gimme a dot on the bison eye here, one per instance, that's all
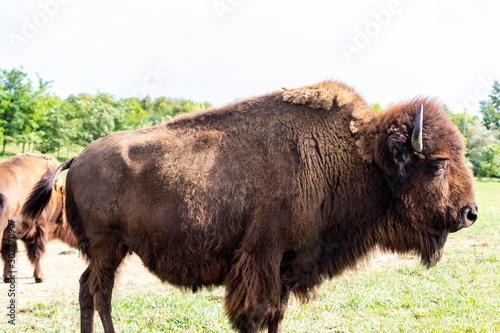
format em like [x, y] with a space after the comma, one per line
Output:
[439, 165]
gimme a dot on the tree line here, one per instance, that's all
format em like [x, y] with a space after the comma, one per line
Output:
[482, 135]
[36, 119]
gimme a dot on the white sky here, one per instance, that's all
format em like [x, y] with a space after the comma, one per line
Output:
[222, 50]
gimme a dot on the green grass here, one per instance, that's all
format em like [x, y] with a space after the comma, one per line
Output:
[487, 194]
[460, 294]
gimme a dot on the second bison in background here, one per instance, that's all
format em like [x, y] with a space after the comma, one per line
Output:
[266, 196]
[18, 175]
[52, 224]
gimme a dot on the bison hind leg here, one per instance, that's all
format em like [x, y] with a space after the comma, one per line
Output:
[35, 248]
[86, 304]
[96, 285]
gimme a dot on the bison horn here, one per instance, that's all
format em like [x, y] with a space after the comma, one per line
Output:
[416, 137]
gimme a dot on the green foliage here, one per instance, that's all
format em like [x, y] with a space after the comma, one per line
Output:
[482, 136]
[21, 107]
[376, 107]
[53, 130]
[478, 139]
[463, 120]
[32, 116]
[489, 165]
[134, 114]
[94, 117]
[491, 109]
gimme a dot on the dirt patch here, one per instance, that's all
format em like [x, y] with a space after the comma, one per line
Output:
[62, 267]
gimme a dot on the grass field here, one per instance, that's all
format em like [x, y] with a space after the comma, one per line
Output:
[388, 294]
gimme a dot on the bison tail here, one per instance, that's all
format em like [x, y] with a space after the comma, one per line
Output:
[40, 195]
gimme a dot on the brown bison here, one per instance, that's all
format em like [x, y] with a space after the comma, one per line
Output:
[266, 196]
[52, 224]
[18, 175]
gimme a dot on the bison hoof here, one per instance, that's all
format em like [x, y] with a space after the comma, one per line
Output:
[6, 280]
[39, 279]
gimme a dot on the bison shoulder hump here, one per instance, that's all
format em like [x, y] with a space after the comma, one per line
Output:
[207, 140]
[322, 95]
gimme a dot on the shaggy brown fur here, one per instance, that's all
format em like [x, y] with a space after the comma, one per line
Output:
[52, 224]
[19, 174]
[266, 196]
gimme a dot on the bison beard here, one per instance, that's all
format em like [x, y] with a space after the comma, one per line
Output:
[432, 248]
[429, 245]
[267, 196]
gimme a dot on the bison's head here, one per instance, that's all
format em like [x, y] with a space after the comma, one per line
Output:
[430, 188]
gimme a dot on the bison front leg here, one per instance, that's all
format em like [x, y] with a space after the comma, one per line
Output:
[9, 250]
[251, 285]
[277, 313]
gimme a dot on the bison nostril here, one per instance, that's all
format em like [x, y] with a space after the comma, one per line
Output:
[470, 213]
[472, 216]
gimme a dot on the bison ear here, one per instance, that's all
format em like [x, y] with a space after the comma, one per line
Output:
[399, 139]
[399, 153]
[392, 153]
